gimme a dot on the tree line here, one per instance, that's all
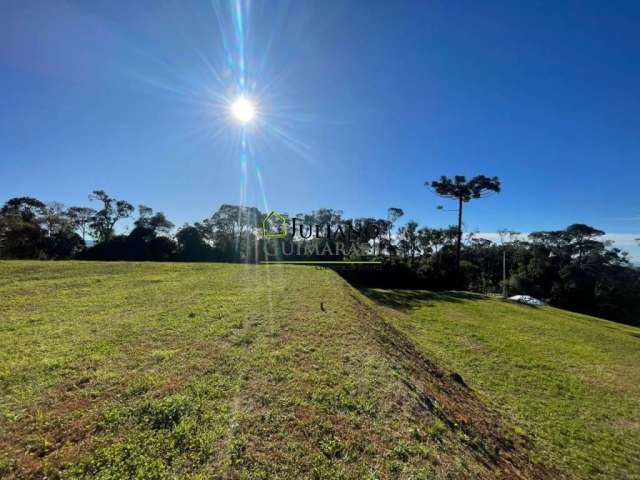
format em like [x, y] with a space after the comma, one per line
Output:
[572, 268]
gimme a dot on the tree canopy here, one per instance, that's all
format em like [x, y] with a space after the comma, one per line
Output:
[459, 188]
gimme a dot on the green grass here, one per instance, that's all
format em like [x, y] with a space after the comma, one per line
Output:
[159, 371]
[153, 371]
[571, 380]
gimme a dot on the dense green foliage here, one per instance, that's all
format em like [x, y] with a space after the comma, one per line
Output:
[31, 229]
[572, 380]
[570, 268]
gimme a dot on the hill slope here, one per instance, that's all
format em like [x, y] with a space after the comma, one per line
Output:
[116, 370]
[571, 380]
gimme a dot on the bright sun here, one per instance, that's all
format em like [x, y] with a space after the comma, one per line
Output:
[243, 110]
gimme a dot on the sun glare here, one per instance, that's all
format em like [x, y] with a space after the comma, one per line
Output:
[243, 110]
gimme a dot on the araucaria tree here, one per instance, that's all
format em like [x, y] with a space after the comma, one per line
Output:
[463, 191]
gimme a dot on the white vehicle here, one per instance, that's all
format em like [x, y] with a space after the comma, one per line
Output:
[527, 300]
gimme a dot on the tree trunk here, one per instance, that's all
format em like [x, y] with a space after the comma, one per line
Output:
[459, 244]
[504, 272]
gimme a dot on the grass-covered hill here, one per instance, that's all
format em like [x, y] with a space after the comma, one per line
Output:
[125, 370]
[571, 381]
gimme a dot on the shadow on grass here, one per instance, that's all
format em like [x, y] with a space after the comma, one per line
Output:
[406, 299]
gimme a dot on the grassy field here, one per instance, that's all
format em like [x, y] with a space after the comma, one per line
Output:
[152, 371]
[158, 371]
[570, 380]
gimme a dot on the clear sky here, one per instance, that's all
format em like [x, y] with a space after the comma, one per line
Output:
[359, 104]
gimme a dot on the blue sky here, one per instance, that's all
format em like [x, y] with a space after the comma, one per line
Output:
[359, 104]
